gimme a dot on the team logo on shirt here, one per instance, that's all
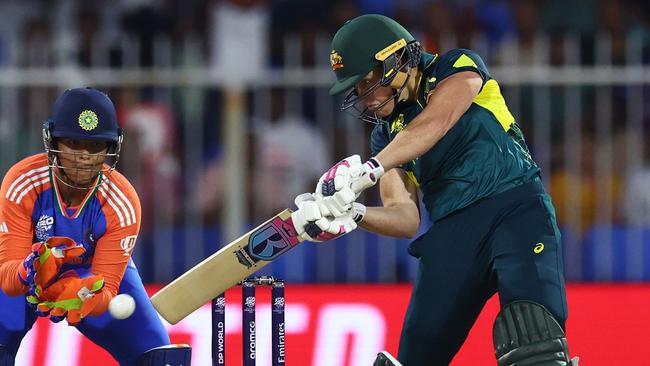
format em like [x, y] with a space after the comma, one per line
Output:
[43, 227]
[429, 85]
[127, 244]
[88, 120]
[398, 124]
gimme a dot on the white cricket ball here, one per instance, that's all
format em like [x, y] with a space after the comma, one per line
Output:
[122, 306]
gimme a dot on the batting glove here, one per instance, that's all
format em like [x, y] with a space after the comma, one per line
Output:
[311, 225]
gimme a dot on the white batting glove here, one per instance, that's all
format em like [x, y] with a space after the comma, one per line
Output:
[308, 212]
[310, 225]
[342, 184]
[339, 176]
[328, 228]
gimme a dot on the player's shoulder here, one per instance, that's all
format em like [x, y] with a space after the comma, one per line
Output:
[121, 197]
[31, 174]
[458, 60]
[459, 53]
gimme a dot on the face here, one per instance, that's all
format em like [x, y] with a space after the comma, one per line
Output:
[377, 95]
[81, 160]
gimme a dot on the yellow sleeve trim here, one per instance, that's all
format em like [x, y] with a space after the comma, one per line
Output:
[464, 61]
[412, 178]
[491, 99]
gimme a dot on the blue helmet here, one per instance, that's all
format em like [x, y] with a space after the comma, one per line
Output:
[85, 114]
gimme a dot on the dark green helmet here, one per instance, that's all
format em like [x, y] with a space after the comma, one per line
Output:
[363, 43]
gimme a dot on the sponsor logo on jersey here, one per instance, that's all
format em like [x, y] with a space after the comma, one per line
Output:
[43, 227]
[127, 244]
[3, 227]
[539, 247]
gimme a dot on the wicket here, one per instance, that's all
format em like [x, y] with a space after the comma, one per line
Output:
[248, 322]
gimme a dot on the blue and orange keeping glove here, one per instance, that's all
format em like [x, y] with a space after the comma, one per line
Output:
[43, 264]
[73, 296]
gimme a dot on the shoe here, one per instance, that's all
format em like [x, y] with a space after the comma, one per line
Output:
[384, 358]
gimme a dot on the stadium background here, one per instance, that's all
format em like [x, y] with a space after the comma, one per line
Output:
[227, 118]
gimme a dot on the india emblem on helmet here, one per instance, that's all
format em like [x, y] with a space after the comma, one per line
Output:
[88, 120]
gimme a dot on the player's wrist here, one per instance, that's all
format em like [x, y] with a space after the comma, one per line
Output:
[358, 211]
[373, 166]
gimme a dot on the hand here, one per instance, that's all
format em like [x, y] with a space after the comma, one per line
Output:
[311, 225]
[342, 184]
[43, 264]
[338, 176]
[73, 296]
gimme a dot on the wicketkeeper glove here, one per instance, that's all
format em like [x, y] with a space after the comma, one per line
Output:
[42, 265]
[73, 296]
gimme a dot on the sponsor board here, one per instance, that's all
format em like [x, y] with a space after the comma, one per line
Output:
[346, 325]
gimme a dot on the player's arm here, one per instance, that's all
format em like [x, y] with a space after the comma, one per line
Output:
[112, 254]
[400, 215]
[446, 104]
[16, 236]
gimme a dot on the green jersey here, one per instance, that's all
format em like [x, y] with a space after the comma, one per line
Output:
[482, 155]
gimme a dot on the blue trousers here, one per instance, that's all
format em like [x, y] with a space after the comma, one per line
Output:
[508, 243]
[124, 339]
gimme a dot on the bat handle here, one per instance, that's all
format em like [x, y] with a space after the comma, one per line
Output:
[365, 181]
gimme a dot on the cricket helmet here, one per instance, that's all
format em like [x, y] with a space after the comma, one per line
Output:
[365, 42]
[83, 114]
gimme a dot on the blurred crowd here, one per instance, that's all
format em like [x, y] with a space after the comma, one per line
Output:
[598, 167]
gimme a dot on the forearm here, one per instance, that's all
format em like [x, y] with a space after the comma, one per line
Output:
[445, 105]
[400, 220]
[9, 281]
[412, 142]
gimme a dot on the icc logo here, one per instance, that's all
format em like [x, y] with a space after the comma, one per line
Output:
[279, 302]
[43, 227]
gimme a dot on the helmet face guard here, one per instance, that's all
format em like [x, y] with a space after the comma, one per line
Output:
[397, 63]
[108, 159]
[82, 114]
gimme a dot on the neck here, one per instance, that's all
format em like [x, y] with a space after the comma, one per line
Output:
[70, 194]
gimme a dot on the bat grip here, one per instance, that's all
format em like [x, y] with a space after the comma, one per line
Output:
[365, 181]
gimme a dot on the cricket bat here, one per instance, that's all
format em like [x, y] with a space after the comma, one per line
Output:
[225, 268]
[232, 263]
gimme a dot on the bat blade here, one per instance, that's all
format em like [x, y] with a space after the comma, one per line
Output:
[225, 268]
